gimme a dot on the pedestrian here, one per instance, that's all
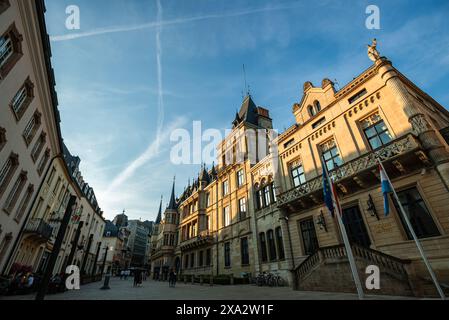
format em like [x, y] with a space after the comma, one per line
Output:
[136, 278]
[172, 278]
[122, 274]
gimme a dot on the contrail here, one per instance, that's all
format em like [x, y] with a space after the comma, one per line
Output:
[160, 102]
[160, 23]
[151, 151]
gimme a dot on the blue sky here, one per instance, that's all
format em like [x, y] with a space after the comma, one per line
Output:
[115, 91]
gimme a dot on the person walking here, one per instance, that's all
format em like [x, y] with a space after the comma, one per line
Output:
[172, 278]
[136, 278]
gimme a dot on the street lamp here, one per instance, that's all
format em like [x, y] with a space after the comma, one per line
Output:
[108, 276]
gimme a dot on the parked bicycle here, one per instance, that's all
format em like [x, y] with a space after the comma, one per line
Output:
[269, 279]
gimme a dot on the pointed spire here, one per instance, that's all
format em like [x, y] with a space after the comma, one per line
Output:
[159, 215]
[172, 203]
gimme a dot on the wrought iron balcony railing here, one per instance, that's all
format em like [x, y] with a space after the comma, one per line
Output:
[394, 149]
[39, 228]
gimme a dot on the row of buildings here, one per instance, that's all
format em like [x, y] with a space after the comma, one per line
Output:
[267, 214]
[38, 174]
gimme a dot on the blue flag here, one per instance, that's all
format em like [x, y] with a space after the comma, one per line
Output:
[327, 192]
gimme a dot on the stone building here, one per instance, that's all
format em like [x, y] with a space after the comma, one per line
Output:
[29, 118]
[380, 114]
[36, 177]
[268, 215]
[138, 241]
[164, 239]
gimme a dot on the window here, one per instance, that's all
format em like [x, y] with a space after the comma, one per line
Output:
[259, 197]
[318, 123]
[15, 192]
[201, 259]
[186, 261]
[240, 178]
[207, 200]
[22, 99]
[375, 131]
[31, 128]
[263, 247]
[24, 203]
[227, 254]
[192, 260]
[267, 195]
[317, 106]
[311, 111]
[297, 172]
[2, 138]
[271, 245]
[331, 155]
[51, 176]
[208, 223]
[309, 238]
[280, 243]
[357, 96]
[208, 257]
[7, 171]
[226, 216]
[10, 50]
[6, 242]
[43, 162]
[289, 143]
[418, 214]
[38, 146]
[273, 192]
[244, 251]
[242, 208]
[225, 187]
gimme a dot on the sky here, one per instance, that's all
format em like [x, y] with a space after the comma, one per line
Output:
[138, 69]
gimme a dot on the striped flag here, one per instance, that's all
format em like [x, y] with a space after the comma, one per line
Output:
[386, 189]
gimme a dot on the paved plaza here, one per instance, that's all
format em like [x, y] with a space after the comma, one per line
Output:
[154, 290]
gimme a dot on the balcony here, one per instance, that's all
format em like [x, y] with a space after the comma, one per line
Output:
[399, 157]
[204, 238]
[39, 230]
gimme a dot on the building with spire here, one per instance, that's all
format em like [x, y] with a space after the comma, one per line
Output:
[267, 212]
[164, 238]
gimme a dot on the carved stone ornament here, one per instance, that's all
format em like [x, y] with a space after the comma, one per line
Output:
[373, 54]
[419, 124]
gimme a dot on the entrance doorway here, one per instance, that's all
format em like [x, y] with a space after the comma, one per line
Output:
[355, 227]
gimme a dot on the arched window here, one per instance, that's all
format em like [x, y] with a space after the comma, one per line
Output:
[317, 106]
[311, 111]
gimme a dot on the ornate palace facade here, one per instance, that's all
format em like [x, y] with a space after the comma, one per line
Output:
[269, 215]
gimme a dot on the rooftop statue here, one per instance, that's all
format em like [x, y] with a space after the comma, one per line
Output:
[373, 54]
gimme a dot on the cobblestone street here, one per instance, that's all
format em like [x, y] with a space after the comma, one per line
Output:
[151, 290]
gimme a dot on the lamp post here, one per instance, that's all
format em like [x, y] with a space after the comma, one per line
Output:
[108, 276]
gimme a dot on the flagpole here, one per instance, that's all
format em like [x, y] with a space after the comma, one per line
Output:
[415, 238]
[352, 264]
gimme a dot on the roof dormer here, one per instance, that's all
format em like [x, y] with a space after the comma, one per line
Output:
[314, 100]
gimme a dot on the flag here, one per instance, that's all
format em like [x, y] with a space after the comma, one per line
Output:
[327, 192]
[386, 189]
